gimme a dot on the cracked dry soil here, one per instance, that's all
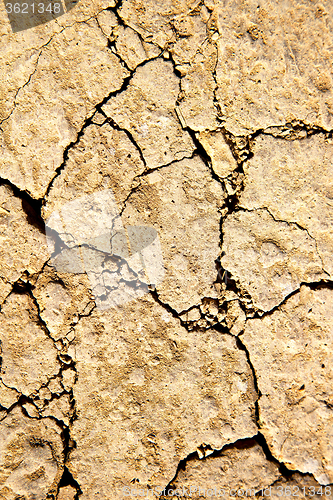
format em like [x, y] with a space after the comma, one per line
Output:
[166, 251]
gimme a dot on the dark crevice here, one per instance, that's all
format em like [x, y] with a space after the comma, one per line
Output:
[165, 165]
[30, 206]
[243, 348]
[147, 171]
[284, 471]
[224, 276]
[241, 149]
[94, 118]
[175, 314]
[24, 283]
[240, 444]
[21, 401]
[231, 285]
[202, 153]
[59, 244]
[240, 146]
[42, 323]
[290, 131]
[290, 223]
[295, 130]
[231, 203]
[87, 123]
[58, 170]
[287, 473]
[90, 121]
[315, 285]
[68, 480]
[117, 7]
[68, 442]
[122, 23]
[111, 44]
[113, 48]
[130, 136]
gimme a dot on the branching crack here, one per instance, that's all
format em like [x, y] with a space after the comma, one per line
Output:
[89, 121]
[32, 73]
[240, 444]
[290, 223]
[68, 442]
[315, 285]
[241, 148]
[243, 348]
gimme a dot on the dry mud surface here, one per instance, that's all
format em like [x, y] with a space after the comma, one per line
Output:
[166, 251]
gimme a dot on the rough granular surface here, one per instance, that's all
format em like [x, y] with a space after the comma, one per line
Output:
[166, 292]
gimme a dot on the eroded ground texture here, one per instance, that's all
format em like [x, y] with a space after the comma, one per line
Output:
[166, 251]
